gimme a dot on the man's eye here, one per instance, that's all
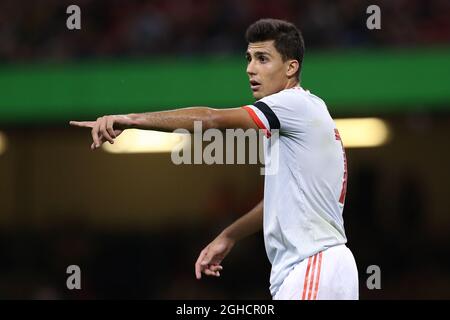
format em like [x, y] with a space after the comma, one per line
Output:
[262, 59]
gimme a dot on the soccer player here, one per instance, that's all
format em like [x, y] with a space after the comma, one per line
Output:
[301, 213]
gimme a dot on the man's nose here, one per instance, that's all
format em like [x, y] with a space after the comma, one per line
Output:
[251, 68]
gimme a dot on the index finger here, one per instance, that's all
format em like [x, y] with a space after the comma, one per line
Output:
[84, 124]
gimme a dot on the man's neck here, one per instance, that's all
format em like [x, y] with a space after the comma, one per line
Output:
[292, 83]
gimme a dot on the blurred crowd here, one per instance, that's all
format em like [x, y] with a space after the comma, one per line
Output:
[36, 30]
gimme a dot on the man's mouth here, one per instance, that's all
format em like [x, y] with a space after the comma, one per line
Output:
[255, 85]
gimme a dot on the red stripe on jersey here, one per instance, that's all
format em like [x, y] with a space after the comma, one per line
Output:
[311, 281]
[258, 121]
[316, 289]
[305, 282]
[344, 181]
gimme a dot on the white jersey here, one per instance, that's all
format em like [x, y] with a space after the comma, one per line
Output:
[304, 198]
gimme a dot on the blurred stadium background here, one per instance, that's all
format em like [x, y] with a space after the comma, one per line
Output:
[135, 222]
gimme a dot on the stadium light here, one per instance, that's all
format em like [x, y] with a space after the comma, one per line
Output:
[2, 143]
[144, 141]
[363, 132]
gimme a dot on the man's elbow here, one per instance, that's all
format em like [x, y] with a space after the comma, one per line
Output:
[223, 119]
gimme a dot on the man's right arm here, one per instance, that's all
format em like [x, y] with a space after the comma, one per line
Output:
[210, 258]
[107, 128]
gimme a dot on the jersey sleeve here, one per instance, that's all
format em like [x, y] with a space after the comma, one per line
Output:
[263, 116]
[277, 112]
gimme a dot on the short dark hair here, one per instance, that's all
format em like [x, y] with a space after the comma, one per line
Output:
[288, 39]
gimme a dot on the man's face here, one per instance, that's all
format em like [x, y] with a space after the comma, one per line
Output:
[266, 69]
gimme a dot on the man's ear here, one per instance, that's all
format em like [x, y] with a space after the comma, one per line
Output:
[292, 67]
